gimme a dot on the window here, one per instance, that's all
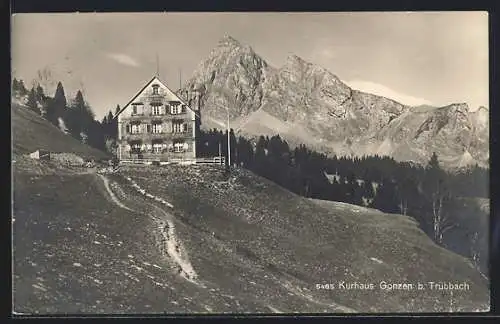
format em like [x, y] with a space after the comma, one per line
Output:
[135, 129]
[157, 147]
[137, 109]
[178, 127]
[157, 128]
[155, 89]
[178, 147]
[175, 109]
[156, 110]
[135, 148]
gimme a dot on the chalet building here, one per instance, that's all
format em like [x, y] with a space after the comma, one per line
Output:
[158, 125]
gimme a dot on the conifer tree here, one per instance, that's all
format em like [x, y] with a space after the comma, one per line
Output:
[15, 87]
[40, 94]
[32, 102]
[386, 199]
[110, 116]
[57, 107]
[22, 89]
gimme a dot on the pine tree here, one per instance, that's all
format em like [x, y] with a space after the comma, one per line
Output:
[234, 152]
[40, 94]
[433, 162]
[56, 108]
[22, 89]
[367, 191]
[15, 87]
[386, 197]
[77, 118]
[245, 152]
[110, 116]
[260, 160]
[114, 123]
[32, 103]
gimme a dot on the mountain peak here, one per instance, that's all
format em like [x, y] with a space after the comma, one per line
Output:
[228, 40]
[302, 95]
[462, 106]
[294, 59]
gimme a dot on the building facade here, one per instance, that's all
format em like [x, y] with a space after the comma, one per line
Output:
[158, 125]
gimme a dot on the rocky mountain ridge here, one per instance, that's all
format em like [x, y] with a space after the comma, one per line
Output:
[305, 103]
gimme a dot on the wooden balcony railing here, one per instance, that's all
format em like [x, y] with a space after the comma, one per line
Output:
[147, 137]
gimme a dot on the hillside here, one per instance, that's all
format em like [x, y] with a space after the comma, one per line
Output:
[328, 115]
[236, 243]
[31, 132]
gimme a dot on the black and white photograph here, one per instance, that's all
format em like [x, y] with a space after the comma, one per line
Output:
[197, 163]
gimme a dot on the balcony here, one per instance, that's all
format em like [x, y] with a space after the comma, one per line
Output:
[133, 137]
[158, 135]
[155, 99]
[146, 137]
[183, 135]
[136, 117]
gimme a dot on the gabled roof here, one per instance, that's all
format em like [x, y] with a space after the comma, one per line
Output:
[147, 85]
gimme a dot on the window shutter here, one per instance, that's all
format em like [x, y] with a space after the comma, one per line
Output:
[128, 129]
[183, 109]
[185, 127]
[148, 128]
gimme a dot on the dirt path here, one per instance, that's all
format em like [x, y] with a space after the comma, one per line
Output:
[173, 247]
[111, 194]
[170, 245]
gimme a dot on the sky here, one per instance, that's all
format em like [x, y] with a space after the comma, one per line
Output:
[434, 58]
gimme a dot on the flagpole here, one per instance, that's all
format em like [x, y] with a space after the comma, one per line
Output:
[157, 65]
[228, 137]
[228, 141]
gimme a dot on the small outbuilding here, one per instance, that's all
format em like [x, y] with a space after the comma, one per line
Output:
[40, 155]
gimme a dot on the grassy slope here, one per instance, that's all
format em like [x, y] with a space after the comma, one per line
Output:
[255, 246]
[81, 254]
[297, 242]
[31, 132]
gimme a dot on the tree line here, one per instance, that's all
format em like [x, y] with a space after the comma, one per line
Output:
[428, 193]
[74, 116]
